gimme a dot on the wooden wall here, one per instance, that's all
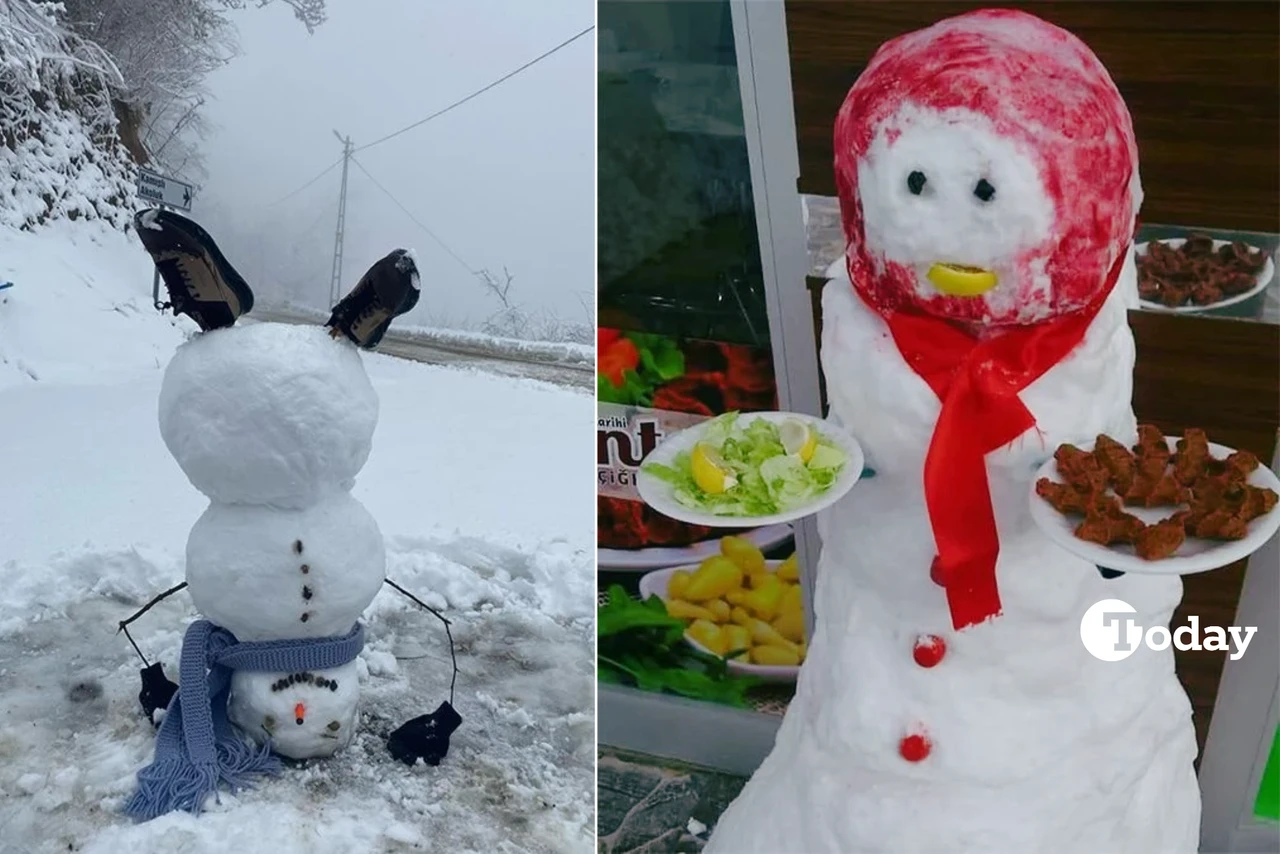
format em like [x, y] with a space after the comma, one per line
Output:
[1202, 80]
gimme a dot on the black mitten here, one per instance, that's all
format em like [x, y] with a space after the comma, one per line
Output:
[1109, 573]
[156, 691]
[425, 737]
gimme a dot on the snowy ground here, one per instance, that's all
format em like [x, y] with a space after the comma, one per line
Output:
[473, 480]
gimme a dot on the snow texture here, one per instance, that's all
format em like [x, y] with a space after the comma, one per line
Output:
[96, 518]
[1035, 744]
[268, 413]
[997, 95]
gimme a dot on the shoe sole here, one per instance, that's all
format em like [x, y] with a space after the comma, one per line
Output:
[210, 278]
[376, 325]
[370, 330]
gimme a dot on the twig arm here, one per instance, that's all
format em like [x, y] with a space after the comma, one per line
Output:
[441, 617]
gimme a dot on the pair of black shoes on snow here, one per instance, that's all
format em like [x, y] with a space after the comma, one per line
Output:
[203, 285]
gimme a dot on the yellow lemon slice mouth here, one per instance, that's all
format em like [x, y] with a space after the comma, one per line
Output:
[957, 280]
[710, 472]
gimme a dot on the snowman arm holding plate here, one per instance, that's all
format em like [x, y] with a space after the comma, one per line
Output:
[425, 737]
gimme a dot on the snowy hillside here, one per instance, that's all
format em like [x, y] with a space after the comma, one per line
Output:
[470, 480]
[80, 306]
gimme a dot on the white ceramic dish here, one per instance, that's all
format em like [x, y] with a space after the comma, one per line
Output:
[1264, 279]
[655, 584]
[657, 557]
[1194, 555]
[658, 494]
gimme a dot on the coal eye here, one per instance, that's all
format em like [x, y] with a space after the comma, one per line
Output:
[983, 190]
[915, 183]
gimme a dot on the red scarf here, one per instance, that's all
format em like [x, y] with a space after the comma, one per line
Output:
[978, 383]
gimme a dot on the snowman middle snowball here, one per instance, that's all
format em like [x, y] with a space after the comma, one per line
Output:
[273, 422]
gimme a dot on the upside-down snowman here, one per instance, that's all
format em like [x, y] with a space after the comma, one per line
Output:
[272, 422]
[988, 181]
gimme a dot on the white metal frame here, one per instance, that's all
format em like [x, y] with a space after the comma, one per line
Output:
[1245, 716]
[768, 106]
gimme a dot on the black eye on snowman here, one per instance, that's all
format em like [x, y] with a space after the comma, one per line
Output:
[983, 190]
[916, 182]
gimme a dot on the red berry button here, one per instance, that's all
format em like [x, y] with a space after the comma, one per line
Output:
[914, 748]
[935, 572]
[929, 650]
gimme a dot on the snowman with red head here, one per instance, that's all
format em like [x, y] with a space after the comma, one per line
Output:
[988, 181]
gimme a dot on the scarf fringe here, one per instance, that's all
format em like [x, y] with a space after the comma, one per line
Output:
[171, 785]
[239, 759]
[176, 785]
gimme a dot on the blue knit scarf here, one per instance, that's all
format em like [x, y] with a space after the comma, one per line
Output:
[197, 746]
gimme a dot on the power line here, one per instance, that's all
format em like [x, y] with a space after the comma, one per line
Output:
[288, 196]
[501, 79]
[416, 222]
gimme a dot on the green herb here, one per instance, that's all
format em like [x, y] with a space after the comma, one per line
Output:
[640, 644]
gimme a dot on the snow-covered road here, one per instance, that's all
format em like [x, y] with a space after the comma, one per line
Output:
[472, 479]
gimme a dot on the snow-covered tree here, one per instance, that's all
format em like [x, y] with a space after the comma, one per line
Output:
[165, 52]
[60, 154]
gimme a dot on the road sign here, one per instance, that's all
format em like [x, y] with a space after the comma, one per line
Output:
[162, 190]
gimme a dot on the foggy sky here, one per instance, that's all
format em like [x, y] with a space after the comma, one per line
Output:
[505, 179]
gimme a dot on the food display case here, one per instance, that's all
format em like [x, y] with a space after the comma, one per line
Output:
[691, 325]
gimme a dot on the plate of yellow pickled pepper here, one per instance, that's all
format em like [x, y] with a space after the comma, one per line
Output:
[740, 605]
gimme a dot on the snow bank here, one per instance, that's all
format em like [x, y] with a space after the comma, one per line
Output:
[80, 306]
[475, 343]
[519, 776]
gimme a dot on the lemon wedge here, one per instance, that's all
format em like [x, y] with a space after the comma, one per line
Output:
[710, 472]
[798, 438]
[957, 280]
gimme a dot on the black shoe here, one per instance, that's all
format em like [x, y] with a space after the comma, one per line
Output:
[202, 284]
[389, 289]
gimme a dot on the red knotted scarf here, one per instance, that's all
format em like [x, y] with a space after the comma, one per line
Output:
[978, 383]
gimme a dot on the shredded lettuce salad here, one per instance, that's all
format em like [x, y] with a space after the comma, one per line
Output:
[769, 479]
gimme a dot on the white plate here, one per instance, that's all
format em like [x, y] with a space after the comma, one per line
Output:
[658, 494]
[655, 584]
[1264, 278]
[657, 557]
[1194, 555]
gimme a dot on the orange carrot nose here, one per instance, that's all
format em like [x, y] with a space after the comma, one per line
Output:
[299, 713]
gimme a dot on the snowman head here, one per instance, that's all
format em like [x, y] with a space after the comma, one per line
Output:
[987, 172]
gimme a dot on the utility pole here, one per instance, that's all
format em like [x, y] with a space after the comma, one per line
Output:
[335, 281]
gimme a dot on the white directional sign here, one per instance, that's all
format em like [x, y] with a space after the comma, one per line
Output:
[161, 190]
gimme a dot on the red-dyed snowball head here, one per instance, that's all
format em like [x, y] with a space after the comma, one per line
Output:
[987, 172]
